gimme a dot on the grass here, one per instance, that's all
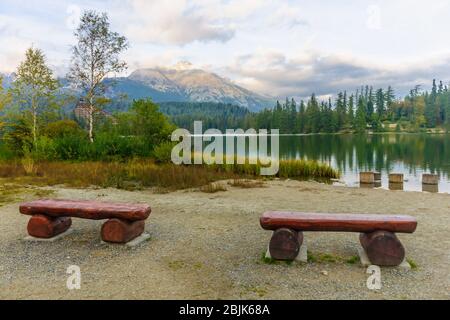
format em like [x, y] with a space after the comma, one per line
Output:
[144, 173]
[253, 290]
[298, 169]
[330, 258]
[130, 175]
[353, 260]
[322, 258]
[176, 265]
[10, 192]
[266, 260]
[269, 261]
[412, 263]
[306, 169]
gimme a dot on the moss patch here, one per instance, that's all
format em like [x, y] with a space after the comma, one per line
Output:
[412, 263]
[314, 257]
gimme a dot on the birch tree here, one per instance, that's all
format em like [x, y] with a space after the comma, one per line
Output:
[95, 56]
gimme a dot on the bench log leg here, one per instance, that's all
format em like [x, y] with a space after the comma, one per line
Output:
[285, 244]
[121, 231]
[44, 227]
[383, 248]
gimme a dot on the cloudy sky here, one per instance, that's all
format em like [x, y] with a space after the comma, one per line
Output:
[273, 47]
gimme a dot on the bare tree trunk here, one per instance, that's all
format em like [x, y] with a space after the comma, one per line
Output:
[91, 120]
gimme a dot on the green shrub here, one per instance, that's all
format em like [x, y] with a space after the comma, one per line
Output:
[163, 152]
[72, 147]
[5, 152]
[45, 149]
[62, 128]
[18, 136]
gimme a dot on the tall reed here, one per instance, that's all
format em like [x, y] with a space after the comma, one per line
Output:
[148, 174]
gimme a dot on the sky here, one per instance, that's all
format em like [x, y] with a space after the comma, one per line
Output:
[275, 47]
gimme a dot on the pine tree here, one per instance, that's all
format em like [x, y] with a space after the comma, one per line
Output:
[292, 116]
[389, 98]
[447, 112]
[370, 104]
[301, 117]
[380, 103]
[341, 110]
[431, 108]
[351, 110]
[441, 87]
[276, 116]
[313, 115]
[441, 104]
[360, 117]
[344, 110]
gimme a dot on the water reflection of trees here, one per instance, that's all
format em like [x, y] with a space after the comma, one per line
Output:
[373, 152]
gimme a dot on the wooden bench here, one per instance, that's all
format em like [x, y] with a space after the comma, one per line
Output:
[377, 237]
[53, 217]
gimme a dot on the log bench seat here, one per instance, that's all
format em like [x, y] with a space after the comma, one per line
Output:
[377, 233]
[50, 218]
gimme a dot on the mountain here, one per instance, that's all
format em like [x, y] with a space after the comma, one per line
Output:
[180, 83]
[184, 84]
[7, 79]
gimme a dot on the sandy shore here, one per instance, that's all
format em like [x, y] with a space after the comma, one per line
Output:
[209, 246]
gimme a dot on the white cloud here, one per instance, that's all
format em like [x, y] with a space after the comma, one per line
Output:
[174, 22]
[234, 9]
[303, 74]
[287, 15]
[279, 47]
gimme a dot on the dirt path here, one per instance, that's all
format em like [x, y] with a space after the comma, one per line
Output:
[209, 246]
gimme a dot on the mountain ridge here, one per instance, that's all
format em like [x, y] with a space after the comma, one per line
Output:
[189, 85]
[180, 83]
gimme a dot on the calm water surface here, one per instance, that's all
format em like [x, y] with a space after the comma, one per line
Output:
[410, 154]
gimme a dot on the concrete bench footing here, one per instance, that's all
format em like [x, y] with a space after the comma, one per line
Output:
[133, 243]
[58, 237]
[365, 262]
[302, 255]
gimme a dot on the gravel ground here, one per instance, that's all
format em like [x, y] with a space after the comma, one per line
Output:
[209, 246]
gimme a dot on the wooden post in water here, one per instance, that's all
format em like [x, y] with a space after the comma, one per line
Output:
[432, 188]
[377, 176]
[396, 178]
[396, 181]
[396, 186]
[367, 178]
[430, 179]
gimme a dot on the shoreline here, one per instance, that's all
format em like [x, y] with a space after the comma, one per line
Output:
[322, 134]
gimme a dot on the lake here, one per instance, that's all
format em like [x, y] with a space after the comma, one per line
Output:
[410, 154]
